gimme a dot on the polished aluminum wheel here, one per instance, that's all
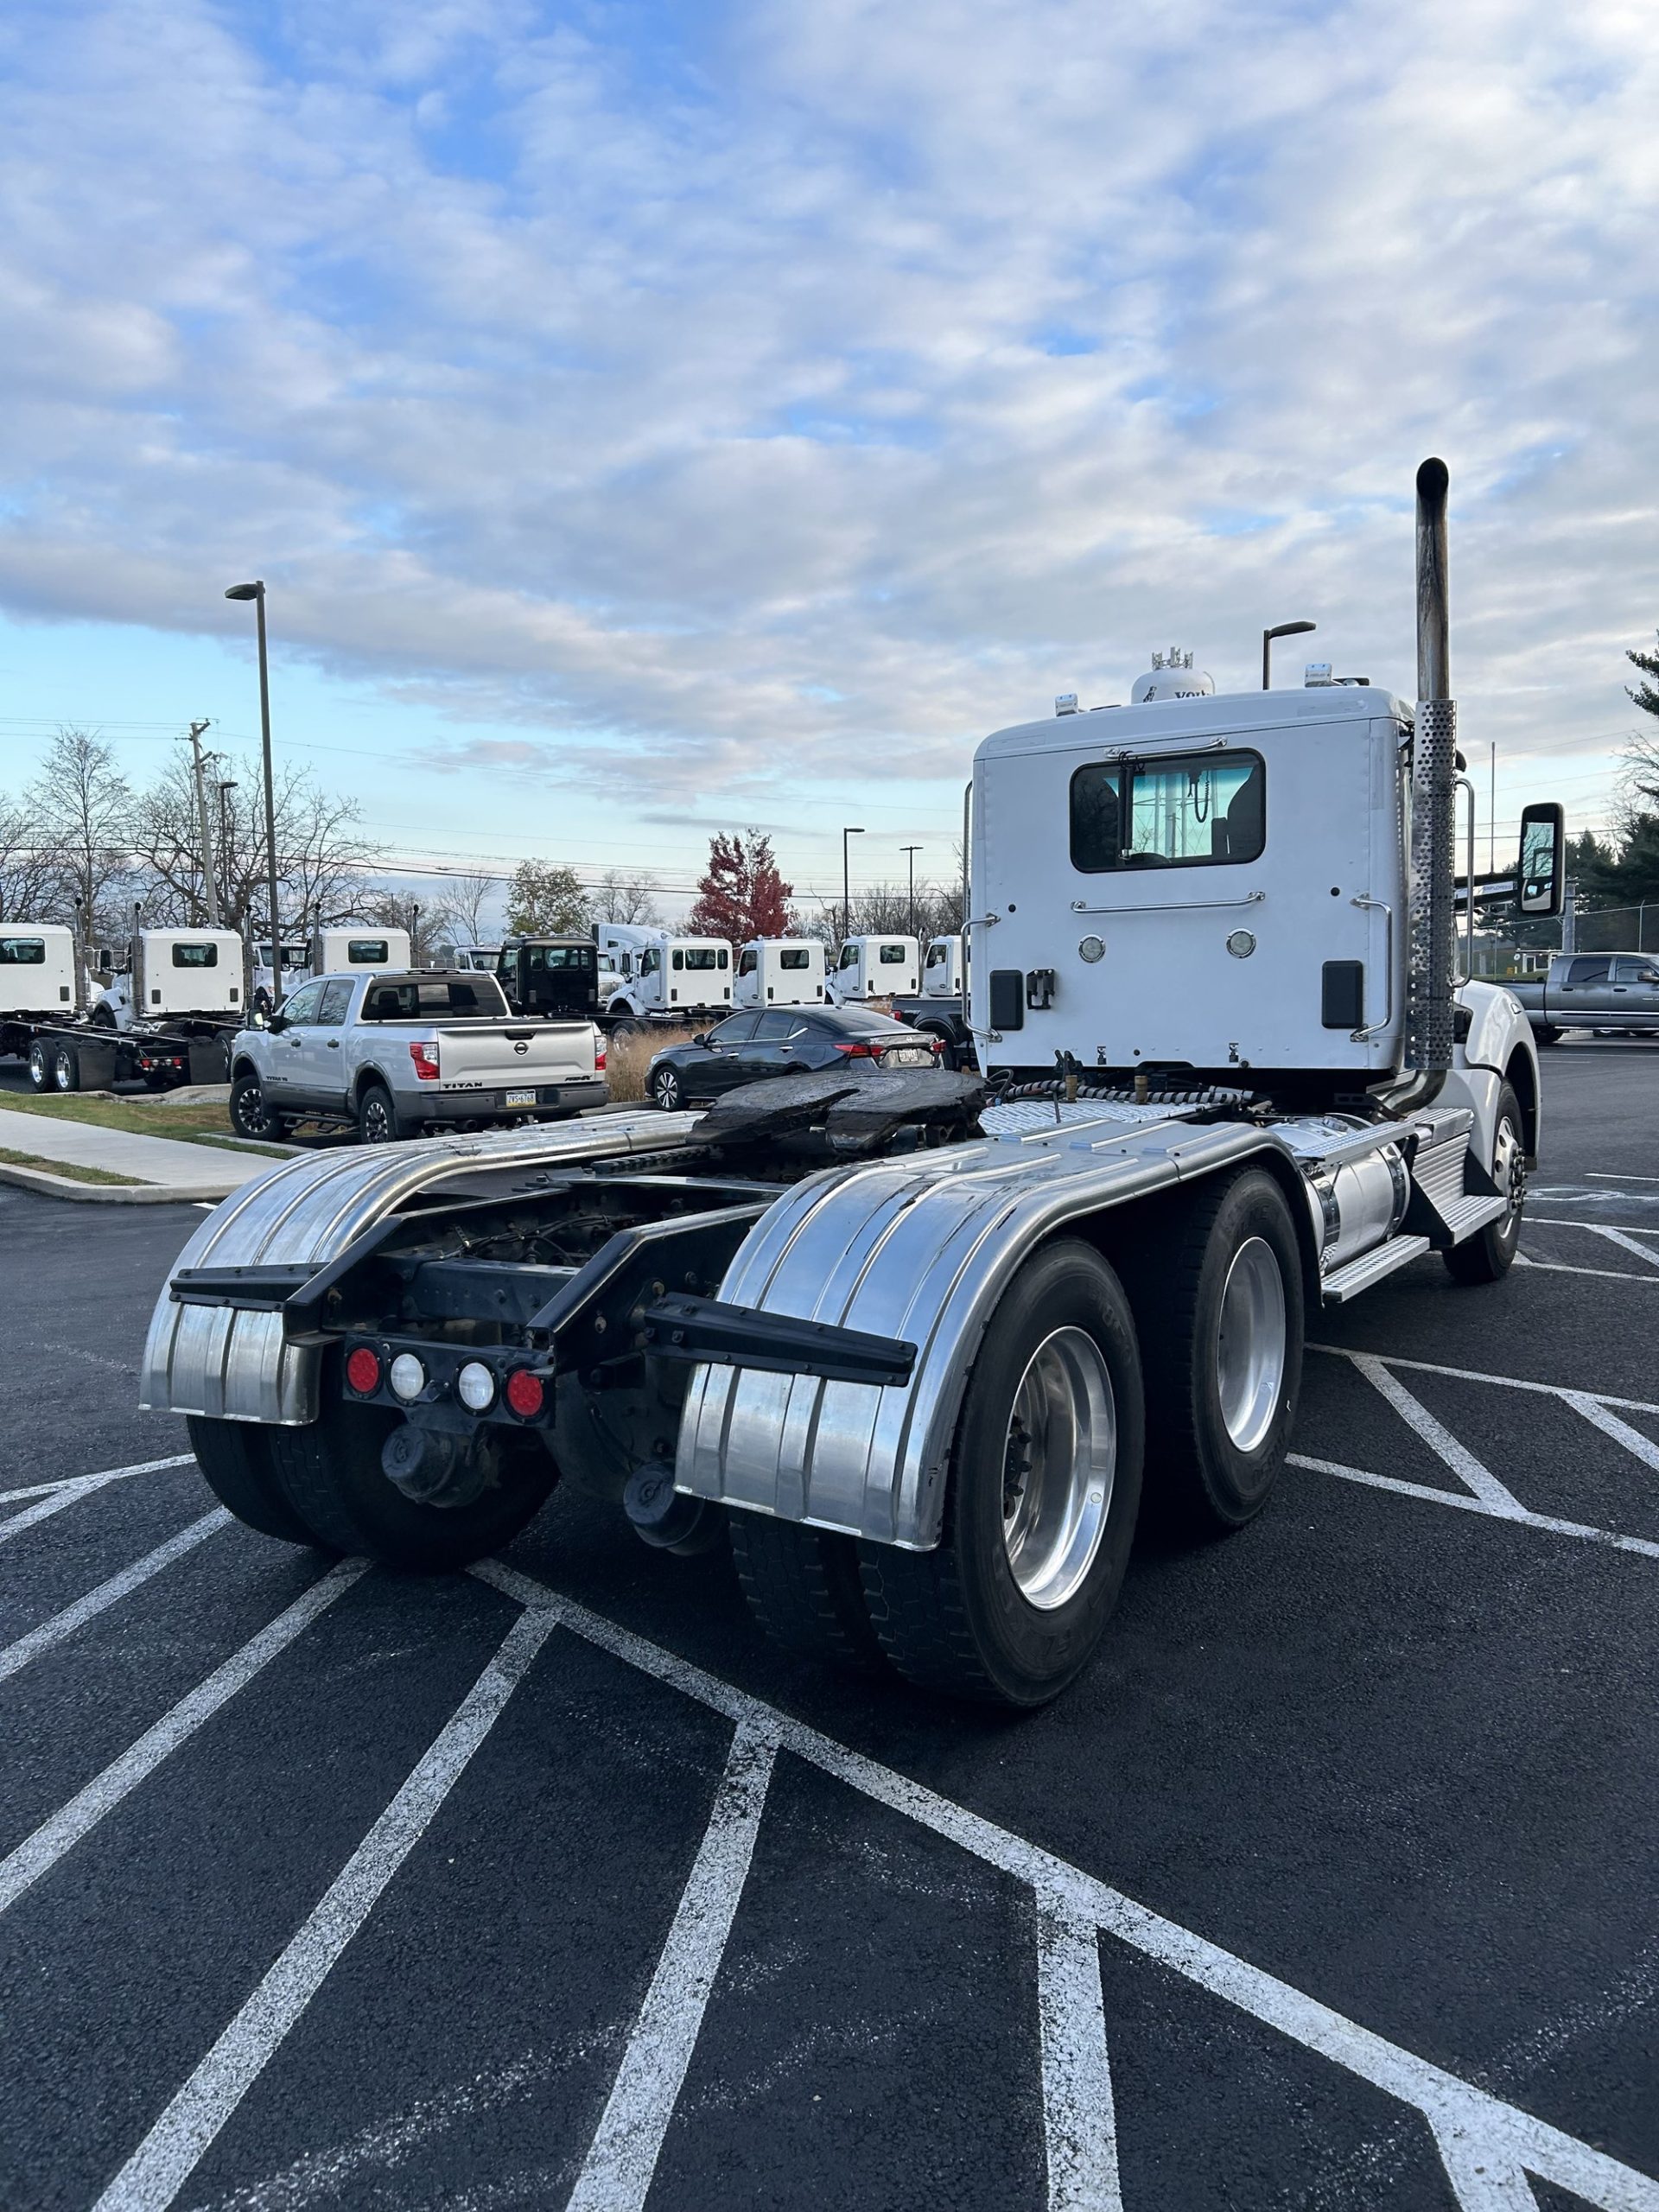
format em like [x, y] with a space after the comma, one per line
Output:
[1059, 1458]
[1509, 1174]
[1250, 1343]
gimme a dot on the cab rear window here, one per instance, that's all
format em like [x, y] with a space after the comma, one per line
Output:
[1181, 810]
[436, 999]
[22, 952]
[195, 955]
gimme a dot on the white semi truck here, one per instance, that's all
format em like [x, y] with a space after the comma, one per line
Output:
[168, 1019]
[780, 971]
[920, 1347]
[665, 979]
[875, 966]
[342, 948]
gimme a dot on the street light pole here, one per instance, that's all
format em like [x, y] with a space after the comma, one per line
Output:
[255, 591]
[912, 850]
[1284, 630]
[847, 884]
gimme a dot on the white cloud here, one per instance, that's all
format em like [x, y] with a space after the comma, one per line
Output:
[861, 373]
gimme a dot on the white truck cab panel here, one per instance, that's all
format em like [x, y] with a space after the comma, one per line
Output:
[780, 971]
[664, 974]
[1216, 882]
[37, 968]
[943, 970]
[355, 945]
[178, 972]
[879, 965]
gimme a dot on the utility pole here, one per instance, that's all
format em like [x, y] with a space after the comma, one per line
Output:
[255, 591]
[847, 883]
[1491, 816]
[1570, 915]
[912, 850]
[209, 879]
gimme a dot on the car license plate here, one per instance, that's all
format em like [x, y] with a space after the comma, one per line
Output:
[521, 1099]
[909, 1056]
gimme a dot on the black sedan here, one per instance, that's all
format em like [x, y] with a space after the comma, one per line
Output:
[783, 1040]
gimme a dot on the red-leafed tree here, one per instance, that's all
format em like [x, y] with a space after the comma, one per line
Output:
[741, 893]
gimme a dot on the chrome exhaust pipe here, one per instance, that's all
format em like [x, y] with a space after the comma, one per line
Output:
[1430, 966]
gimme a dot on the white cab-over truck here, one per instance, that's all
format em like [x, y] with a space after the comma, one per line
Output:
[398, 1053]
[665, 979]
[923, 1358]
[780, 971]
[875, 967]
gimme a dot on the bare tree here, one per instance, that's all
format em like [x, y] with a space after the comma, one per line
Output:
[621, 898]
[30, 877]
[321, 855]
[461, 912]
[80, 807]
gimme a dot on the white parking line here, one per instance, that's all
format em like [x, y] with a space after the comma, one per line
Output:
[1602, 1275]
[175, 2145]
[93, 1482]
[1079, 2124]
[15, 1657]
[1463, 1502]
[1499, 2136]
[616, 2175]
[1439, 1438]
[41, 1851]
[1502, 1382]
[1606, 1175]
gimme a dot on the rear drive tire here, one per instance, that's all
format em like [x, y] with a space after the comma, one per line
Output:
[40, 1066]
[379, 1121]
[1044, 1488]
[805, 1589]
[668, 1090]
[1488, 1255]
[331, 1476]
[236, 1466]
[65, 1068]
[1220, 1305]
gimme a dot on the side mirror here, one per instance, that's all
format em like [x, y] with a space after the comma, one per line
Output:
[1540, 880]
[275, 1023]
[701, 1037]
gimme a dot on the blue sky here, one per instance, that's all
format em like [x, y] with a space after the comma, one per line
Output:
[649, 420]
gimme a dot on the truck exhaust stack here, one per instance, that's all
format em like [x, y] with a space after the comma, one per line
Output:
[1434, 768]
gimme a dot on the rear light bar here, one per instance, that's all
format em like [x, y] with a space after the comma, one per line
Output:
[425, 1058]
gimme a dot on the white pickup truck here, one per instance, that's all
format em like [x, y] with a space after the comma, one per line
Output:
[398, 1053]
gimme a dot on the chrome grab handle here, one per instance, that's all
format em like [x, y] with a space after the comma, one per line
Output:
[1171, 905]
[1379, 907]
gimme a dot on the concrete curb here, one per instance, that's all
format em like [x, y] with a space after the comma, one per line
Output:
[117, 1194]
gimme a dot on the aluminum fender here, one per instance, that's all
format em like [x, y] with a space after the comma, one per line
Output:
[237, 1366]
[920, 1249]
[1498, 1029]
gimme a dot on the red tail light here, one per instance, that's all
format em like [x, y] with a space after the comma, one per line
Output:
[363, 1370]
[860, 1051]
[425, 1058]
[598, 1058]
[525, 1393]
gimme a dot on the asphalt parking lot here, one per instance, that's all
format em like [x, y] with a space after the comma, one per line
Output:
[1331, 1883]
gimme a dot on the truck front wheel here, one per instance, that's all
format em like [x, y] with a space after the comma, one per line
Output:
[1221, 1311]
[1044, 1486]
[331, 1477]
[1488, 1255]
[236, 1466]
